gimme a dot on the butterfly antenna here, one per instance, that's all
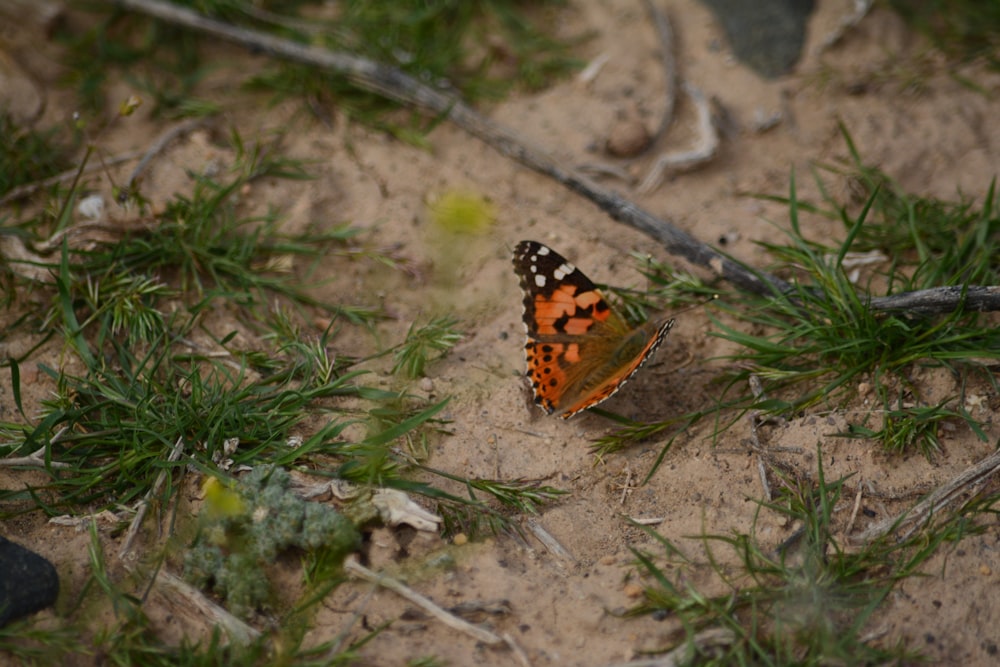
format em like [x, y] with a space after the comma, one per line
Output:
[699, 304]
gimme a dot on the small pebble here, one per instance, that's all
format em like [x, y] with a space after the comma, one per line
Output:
[460, 539]
[426, 384]
[633, 590]
[627, 138]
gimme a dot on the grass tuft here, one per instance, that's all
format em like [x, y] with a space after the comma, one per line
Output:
[809, 600]
[822, 339]
[434, 338]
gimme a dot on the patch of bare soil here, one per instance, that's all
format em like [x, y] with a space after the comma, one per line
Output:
[560, 609]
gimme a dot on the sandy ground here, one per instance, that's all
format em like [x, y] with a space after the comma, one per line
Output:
[939, 140]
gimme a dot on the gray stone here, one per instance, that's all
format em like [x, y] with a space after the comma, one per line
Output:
[28, 582]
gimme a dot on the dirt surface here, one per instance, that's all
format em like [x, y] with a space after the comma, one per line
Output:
[941, 139]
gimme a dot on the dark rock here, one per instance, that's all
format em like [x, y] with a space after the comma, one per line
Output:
[766, 35]
[28, 582]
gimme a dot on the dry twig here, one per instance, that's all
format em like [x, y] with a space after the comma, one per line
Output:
[22, 191]
[757, 389]
[37, 457]
[854, 511]
[703, 643]
[479, 634]
[704, 150]
[140, 514]
[665, 32]
[551, 544]
[934, 501]
[158, 146]
[178, 593]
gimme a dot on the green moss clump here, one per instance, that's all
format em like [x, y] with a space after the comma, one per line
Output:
[262, 519]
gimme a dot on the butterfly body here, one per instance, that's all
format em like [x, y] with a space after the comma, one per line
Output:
[579, 351]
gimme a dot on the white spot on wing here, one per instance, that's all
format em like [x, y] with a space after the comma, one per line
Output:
[540, 280]
[542, 250]
[563, 271]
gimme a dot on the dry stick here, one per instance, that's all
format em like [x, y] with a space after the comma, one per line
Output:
[30, 188]
[452, 621]
[665, 33]
[177, 591]
[522, 657]
[158, 146]
[935, 500]
[854, 511]
[757, 389]
[627, 486]
[140, 514]
[551, 544]
[941, 300]
[708, 144]
[160, 143]
[708, 137]
[704, 642]
[398, 86]
[34, 459]
[37, 457]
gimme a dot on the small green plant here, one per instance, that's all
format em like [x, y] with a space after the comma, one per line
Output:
[631, 432]
[905, 428]
[245, 528]
[145, 385]
[434, 338]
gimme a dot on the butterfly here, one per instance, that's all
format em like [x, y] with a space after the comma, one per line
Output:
[579, 350]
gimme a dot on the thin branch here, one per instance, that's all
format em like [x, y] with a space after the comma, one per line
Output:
[161, 143]
[941, 300]
[703, 643]
[22, 191]
[935, 500]
[188, 599]
[452, 621]
[703, 151]
[140, 514]
[35, 459]
[665, 33]
[551, 544]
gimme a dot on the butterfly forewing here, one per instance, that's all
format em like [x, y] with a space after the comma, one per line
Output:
[579, 350]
